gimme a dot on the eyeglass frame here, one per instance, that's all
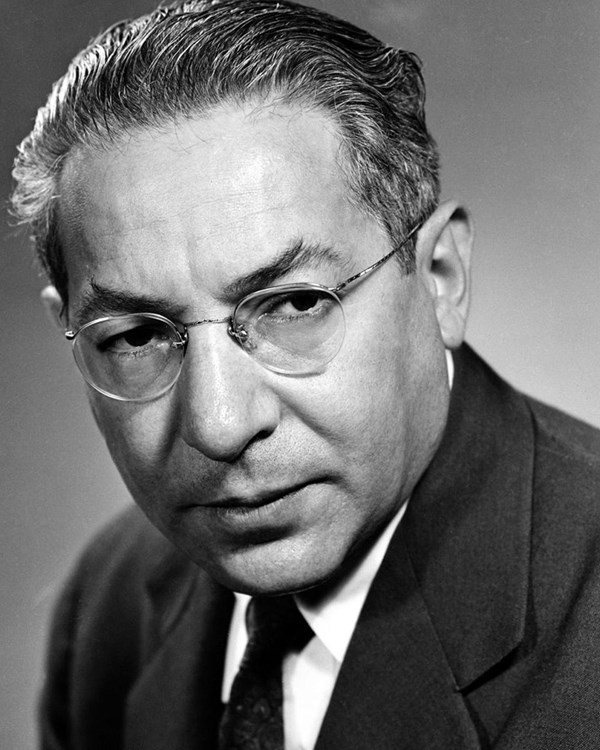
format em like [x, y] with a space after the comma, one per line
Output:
[239, 335]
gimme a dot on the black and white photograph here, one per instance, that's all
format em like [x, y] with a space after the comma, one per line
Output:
[300, 426]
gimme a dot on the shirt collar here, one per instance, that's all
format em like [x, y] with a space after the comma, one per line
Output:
[334, 616]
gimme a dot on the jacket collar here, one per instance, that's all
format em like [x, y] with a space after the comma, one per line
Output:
[395, 690]
[468, 525]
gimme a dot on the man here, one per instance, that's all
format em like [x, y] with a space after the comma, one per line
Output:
[237, 203]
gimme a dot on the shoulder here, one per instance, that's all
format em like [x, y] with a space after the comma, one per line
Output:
[111, 580]
[129, 541]
[104, 595]
[110, 603]
[565, 533]
[567, 456]
[565, 450]
[105, 629]
[565, 435]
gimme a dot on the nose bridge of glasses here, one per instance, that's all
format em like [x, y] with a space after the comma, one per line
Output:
[237, 331]
[196, 323]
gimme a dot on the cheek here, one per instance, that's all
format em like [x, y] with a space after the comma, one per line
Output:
[137, 437]
[351, 413]
[384, 402]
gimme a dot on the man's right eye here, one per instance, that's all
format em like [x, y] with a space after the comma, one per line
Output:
[133, 339]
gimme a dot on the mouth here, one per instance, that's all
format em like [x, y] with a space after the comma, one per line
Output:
[246, 503]
[253, 515]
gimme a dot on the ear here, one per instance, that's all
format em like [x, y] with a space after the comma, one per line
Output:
[443, 254]
[53, 304]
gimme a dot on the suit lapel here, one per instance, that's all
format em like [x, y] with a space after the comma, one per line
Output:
[449, 602]
[395, 689]
[468, 524]
[176, 702]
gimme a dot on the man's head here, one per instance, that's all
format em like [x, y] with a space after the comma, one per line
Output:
[207, 145]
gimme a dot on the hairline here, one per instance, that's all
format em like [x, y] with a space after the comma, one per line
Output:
[119, 133]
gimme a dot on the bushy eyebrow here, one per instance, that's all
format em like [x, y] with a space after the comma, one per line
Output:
[300, 255]
[100, 300]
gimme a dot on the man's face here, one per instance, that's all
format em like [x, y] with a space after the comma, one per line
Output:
[271, 482]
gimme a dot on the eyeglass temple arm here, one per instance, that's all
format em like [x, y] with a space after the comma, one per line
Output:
[377, 263]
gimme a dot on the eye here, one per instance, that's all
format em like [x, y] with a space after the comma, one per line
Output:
[293, 305]
[134, 339]
[139, 336]
[303, 301]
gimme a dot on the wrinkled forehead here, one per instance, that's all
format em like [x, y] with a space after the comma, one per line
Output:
[223, 156]
[230, 186]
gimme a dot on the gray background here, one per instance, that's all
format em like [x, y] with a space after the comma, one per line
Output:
[513, 100]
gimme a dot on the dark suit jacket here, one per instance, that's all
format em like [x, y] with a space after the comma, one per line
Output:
[481, 629]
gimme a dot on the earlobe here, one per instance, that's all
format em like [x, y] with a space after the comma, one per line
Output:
[444, 260]
[53, 304]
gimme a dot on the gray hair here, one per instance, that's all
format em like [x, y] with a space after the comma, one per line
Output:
[189, 57]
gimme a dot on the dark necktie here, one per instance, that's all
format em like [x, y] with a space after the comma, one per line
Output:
[253, 718]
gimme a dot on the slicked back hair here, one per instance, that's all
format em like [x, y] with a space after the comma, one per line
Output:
[189, 57]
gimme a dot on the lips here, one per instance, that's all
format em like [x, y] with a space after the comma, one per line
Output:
[258, 499]
[259, 517]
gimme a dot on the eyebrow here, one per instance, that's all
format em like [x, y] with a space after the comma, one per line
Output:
[100, 300]
[300, 255]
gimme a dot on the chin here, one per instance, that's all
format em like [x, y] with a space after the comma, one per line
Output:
[260, 573]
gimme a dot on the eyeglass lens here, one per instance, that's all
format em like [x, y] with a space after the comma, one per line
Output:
[295, 330]
[130, 357]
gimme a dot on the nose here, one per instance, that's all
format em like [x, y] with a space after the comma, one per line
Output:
[225, 399]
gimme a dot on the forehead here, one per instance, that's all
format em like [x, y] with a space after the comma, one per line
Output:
[204, 198]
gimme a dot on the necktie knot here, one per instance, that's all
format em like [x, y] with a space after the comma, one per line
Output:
[275, 625]
[253, 718]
